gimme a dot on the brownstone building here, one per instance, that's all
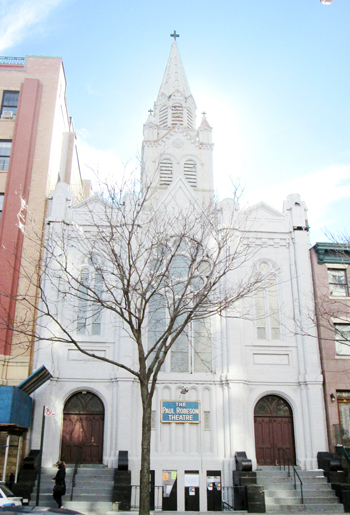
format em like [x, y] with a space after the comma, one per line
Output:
[330, 267]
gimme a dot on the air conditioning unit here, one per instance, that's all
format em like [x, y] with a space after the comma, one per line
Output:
[6, 115]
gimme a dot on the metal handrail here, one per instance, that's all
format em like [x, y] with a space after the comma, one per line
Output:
[224, 504]
[75, 471]
[341, 450]
[135, 496]
[227, 498]
[290, 463]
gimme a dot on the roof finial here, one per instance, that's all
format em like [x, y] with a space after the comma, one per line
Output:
[175, 35]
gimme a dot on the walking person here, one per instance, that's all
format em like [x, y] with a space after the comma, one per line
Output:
[60, 484]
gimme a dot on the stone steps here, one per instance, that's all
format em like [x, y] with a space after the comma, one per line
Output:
[282, 497]
[92, 492]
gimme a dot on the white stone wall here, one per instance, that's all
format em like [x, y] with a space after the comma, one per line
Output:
[245, 368]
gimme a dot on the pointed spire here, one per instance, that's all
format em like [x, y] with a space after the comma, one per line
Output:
[205, 121]
[174, 76]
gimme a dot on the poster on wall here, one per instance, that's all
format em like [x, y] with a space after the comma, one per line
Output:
[192, 480]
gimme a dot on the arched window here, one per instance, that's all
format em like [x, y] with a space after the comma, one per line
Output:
[163, 116]
[177, 114]
[83, 301]
[266, 305]
[189, 119]
[89, 313]
[191, 351]
[156, 323]
[190, 172]
[165, 172]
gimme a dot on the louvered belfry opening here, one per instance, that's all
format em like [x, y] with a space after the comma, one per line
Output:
[163, 116]
[165, 172]
[189, 119]
[177, 114]
[190, 172]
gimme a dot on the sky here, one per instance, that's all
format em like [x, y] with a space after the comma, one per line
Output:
[273, 77]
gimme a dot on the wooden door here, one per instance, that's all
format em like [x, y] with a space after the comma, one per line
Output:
[273, 424]
[83, 423]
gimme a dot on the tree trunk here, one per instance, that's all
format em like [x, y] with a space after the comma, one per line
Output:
[145, 452]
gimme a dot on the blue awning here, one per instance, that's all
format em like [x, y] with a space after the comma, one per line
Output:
[36, 379]
[15, 407]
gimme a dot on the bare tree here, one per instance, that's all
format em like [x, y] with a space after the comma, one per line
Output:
[190, 259]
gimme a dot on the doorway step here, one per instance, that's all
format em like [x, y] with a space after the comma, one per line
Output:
[281, 497]
[92, 492]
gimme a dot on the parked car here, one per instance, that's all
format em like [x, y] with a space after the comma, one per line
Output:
[7, 498]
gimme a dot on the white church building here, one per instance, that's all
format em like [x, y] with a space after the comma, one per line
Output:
[263, 389]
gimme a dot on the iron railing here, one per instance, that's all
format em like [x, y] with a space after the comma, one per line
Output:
[227, 498]
[158, 497]
[19, 61]
[344, 452]
[290, 464]
[75, 471]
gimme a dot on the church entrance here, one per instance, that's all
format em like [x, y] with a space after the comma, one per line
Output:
[273, 424]
[83, 421]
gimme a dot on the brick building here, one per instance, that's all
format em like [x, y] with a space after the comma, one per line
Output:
[37, 150]
[330, 263]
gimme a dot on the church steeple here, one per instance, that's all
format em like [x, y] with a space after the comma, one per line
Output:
[172, 147]
[174, 77]
[175, 104]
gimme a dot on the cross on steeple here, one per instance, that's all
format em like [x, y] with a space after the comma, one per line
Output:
[150, 111]
[204, 113]
[175, 35]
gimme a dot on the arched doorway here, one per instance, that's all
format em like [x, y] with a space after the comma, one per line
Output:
[83, 421]
[273, 424]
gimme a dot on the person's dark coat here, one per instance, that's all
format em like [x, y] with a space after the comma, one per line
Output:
[60, 484]
[60, 478]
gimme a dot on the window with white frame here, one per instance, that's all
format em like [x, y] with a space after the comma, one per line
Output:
[338, 282]
[5, 151]
[191, 352]
[89, 315]
[342, 339]
[266, 305]
[156, 323]
[9, 104]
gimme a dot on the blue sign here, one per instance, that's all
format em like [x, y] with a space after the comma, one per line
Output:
[180, 411]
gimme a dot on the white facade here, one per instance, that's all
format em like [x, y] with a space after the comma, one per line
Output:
[252, 356]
